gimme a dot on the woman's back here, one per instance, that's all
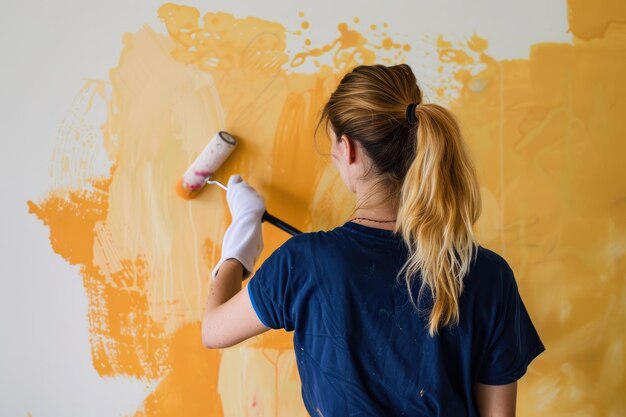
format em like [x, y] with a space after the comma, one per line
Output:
[362, 349]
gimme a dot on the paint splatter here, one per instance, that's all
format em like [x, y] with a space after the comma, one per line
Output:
[546, 134]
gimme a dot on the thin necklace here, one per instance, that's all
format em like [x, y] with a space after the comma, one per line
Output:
[372, 220]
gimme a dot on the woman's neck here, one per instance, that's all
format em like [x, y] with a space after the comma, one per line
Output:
[374, 210]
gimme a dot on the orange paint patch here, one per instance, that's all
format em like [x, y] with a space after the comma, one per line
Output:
[124, 339]
[190, 385]
[71, 221]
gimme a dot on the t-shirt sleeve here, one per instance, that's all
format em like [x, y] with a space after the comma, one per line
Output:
[514, 341]
[272, 290]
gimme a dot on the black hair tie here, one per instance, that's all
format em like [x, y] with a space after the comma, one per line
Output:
[410, 113]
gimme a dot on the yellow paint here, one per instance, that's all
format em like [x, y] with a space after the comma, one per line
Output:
[547, 135]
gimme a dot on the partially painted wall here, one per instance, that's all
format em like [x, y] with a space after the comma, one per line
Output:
[546, 133]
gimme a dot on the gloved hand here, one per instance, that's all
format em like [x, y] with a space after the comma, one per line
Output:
[243, 239]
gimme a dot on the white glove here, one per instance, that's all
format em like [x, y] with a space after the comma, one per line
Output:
[243, 239]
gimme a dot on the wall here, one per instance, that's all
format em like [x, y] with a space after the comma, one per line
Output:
[105, 267]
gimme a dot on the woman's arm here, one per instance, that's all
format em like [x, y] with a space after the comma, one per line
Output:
[229, 317]
[496, 400]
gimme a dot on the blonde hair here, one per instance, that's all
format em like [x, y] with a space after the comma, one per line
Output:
[426, 169]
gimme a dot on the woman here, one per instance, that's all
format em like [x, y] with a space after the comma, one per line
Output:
[399, 311]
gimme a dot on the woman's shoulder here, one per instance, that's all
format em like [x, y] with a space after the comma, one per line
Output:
[304, 238]
[302, 244]
[490, 259]
[332, 246]
[317, 237]
[491, 270]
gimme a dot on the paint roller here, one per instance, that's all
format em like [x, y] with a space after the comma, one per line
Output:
[206, 164]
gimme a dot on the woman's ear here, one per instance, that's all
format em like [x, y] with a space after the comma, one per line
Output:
[348, 148]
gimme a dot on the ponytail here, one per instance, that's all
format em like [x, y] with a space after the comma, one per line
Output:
[439, 203]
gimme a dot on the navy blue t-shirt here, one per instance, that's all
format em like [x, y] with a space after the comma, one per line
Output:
[361, 347]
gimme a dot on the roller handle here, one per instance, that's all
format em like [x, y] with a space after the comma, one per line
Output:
[280, 224]
[266, 216]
